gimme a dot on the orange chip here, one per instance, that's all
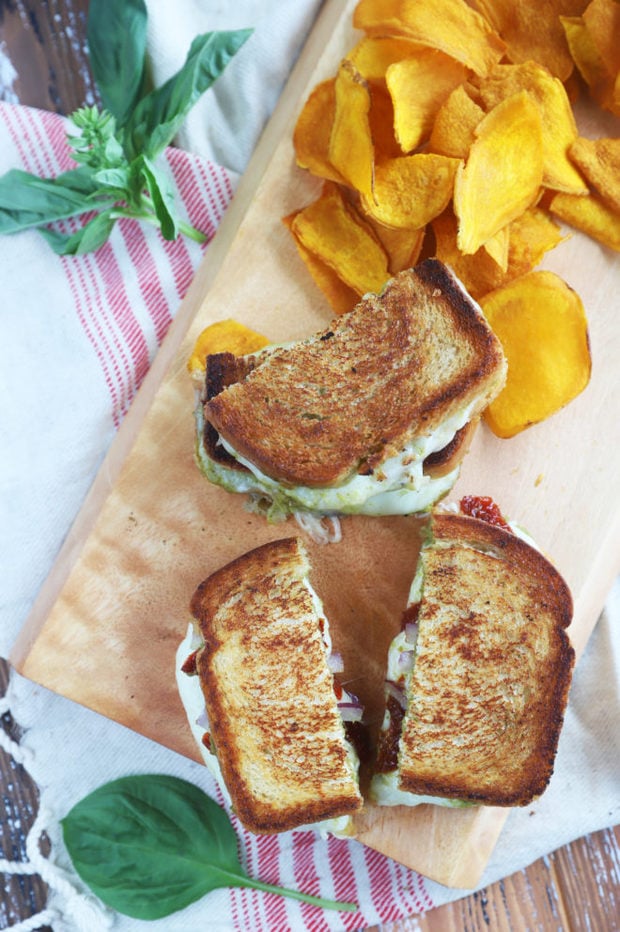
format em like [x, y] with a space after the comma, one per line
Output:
[450, 26]
[503, 173]
[497, 247]
[351, 150]
[478, 272]
[541, 324]
[333, 231]
[403, 247]
[599, 160]
[589, 214]
[418, 86]
[601, 82]
[313, 129]
[340, 296]
[373, 55]
[532, 31]
[602, 20]
[531, 235]
[224, 336]
[411, 190]
[381, 120]
[559, 129]
[455, 123]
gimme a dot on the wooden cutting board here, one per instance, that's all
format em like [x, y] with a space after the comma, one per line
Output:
[107, 623]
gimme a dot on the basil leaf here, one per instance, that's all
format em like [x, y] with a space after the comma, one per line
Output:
[159, 115]
[19, 190]
[88, 238]
[162, 197]
[149, 845]
[27, 201]
[116, 36]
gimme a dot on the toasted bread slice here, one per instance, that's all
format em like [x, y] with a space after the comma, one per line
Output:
[224, 369]
[269, 693]
[492, 668]
[344, 401]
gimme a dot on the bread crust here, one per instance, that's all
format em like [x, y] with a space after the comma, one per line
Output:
[272, 710]
[492, 670]
[346, 399]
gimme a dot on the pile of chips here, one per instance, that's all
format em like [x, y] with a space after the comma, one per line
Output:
[448, 131]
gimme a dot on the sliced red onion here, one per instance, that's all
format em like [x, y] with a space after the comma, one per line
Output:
[396, 691]
[411, 632]
[405, 661]
[351, 711]
[335, 662]
[203, 720]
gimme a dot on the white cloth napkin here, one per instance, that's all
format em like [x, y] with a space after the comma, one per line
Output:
[77, 336]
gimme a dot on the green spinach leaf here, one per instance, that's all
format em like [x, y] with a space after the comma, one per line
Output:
[151, 844]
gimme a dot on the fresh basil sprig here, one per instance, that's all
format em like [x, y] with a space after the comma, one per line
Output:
[117, 147]
[151, 844]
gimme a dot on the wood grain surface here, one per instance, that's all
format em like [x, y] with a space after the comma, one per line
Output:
[546, 895]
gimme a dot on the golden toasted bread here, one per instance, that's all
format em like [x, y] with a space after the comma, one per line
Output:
[269, 693]
[345, 400]
[492, 668]
[224, 369]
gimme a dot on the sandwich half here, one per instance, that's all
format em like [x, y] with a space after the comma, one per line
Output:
[369, 416]
[261, 668]
[478, 678]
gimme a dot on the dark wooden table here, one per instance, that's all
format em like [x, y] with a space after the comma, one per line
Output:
[45, 65]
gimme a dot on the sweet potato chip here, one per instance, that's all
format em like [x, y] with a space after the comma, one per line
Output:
[602, 20]
[351, 150]
[418, 86]
[340, 296]
[381, 121]
[599, 160]
[530, 236]
[589, 214]
[403, 247]
[411, 190]
[497, 248]
[453, 131]
[313, 129]
[559, 129]
[224, 336]
[478, 272]
[503, 173]
[532, 30]
[541, 324]
[450, 26]
[601, 82]
[373, 55]
[332, 230]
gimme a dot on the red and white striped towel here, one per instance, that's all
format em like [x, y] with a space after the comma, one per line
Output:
[81, 333]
